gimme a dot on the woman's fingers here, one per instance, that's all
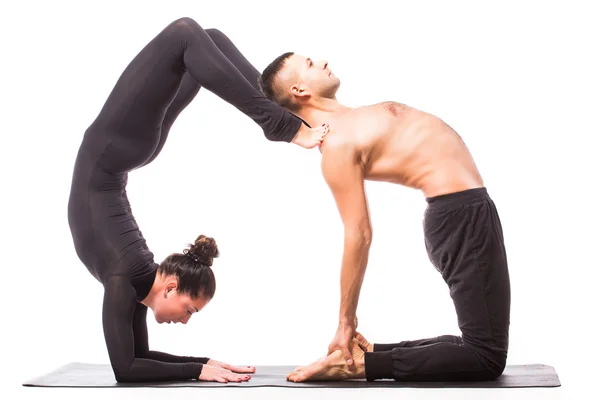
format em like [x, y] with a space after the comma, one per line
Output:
[241, 370]
[232, 377]
[221, 374]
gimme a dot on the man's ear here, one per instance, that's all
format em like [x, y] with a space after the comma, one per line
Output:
[300, 90]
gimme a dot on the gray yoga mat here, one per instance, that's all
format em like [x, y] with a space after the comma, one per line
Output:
[101, 376]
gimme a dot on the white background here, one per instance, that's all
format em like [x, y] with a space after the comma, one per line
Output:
[518, 81]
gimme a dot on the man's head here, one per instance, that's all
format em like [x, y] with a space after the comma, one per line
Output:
[294, 81]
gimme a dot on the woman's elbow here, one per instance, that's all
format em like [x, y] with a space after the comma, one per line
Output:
[123, 374]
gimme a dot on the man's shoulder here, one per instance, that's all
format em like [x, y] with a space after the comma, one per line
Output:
[337, 143]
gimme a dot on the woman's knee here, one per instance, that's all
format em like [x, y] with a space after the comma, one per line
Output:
[184, 24]
[216, 35]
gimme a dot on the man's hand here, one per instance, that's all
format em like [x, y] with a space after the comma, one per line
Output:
[212, 373]
[343, 339]
[241, 370]
[310, 137]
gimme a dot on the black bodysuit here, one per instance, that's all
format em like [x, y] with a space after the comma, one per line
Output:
[129, 133]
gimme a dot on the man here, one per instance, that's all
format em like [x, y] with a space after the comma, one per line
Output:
[396, 143]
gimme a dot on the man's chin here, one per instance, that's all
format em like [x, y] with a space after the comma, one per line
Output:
[333, 89]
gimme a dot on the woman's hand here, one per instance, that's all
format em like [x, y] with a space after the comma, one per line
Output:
[242, 370]
[211, 373]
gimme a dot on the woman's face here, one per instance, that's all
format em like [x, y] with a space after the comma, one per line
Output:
[175, 307]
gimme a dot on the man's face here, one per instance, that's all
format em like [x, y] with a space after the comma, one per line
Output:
[312, 77]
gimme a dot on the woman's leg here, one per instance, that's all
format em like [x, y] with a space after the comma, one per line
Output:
[189, 88]
[136, 109]
[212, 69]
[187, 92]
[234, 55]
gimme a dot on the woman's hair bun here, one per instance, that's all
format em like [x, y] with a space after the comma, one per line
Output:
[204, 250]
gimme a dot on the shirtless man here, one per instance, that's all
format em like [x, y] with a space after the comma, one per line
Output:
[399, 144]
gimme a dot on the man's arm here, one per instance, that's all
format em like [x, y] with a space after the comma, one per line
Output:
[343, 172]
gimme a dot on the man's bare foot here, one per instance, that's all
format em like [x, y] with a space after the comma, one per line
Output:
[332, 368]
[363, 343]
[303, 367]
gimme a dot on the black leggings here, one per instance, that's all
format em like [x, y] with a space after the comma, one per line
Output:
[465, 242]
[132, 128]
[163, 79]
[129, 132]
[278, 124]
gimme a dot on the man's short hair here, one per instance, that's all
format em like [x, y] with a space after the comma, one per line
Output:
[271, 85]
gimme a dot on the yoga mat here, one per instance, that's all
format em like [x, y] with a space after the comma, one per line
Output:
[101, 376]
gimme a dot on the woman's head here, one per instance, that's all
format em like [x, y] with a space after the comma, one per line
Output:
[185, 282]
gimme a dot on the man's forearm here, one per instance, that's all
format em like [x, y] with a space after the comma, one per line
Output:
[354, 265]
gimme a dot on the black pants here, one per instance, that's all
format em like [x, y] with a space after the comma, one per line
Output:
[465, 243]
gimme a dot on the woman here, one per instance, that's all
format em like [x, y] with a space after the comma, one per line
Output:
[130, 132]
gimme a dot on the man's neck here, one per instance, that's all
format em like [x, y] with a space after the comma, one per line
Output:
[322, 111]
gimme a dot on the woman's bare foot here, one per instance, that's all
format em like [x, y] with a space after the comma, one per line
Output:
[332, 368]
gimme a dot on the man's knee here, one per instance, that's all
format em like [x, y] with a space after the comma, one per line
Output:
[496, 365]
[492, 358]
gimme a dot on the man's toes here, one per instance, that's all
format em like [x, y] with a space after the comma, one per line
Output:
[358, 350]
[297, 378]
[296, 371]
